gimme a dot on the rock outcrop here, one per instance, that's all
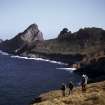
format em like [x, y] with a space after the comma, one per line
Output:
[87, 35]
[95, 70]
[32, 37]
[84, 41]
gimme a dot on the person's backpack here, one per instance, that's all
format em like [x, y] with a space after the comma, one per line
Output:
[63, 87]
[71, 85]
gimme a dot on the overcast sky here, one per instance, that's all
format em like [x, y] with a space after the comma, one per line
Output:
[50, 15]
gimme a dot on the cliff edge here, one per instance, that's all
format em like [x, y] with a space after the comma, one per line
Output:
[95, 95]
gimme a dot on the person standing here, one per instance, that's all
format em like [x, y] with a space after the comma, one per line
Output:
[63, 89]
[70, 87]
[84, 82]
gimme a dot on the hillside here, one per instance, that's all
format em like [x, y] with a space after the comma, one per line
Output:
[89, 43]
[95, 95]
[84, 41]
[84, 49]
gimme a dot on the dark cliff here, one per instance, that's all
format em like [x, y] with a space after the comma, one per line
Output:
[84, 41]
[89, 42]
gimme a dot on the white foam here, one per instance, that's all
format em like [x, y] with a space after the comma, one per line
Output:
[68, 69]
[27, 58]
[39, 59]
[3, 53]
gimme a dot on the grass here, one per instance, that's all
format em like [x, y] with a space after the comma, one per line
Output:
[71, 47]
[95, 95]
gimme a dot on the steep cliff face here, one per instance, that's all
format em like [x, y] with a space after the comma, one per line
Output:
[84, 41]
[91, 34]
[26, 40]
[32, 33]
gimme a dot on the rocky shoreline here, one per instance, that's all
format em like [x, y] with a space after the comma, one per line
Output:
[83, 50]
[93, 66]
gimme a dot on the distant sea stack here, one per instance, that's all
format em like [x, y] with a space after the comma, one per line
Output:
[32, 37]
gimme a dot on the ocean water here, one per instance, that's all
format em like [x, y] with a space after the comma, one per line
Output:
[22, 79]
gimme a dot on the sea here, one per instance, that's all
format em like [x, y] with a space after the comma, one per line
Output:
[22, 79]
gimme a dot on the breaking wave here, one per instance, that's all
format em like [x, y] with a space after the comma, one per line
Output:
[27, 58]
[39, 59]
[3, 53]
[67, 69]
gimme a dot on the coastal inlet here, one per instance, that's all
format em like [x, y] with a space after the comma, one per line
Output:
[22, 79]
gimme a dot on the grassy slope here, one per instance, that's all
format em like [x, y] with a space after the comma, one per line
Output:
[71, 47]
[95, 95]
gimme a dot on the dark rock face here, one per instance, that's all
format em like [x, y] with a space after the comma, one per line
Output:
[23, 41]
[86, 33]
[84, 37]
[95, 71]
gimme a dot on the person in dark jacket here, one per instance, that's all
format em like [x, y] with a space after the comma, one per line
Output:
[63, 88]
[70, 87]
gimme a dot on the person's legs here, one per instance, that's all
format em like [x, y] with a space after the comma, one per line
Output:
[69, 91]
[63, 93]
[83, 87]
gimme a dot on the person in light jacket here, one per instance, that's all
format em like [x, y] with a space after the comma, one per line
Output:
[84, 82]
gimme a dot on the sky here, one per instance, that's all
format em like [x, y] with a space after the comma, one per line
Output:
[50, 15]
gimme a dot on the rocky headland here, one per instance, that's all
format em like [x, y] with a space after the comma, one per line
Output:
[84, 49]
[31, 38]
